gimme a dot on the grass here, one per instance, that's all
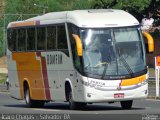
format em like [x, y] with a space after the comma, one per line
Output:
[2, 78]
[151, 72]
[151, 84]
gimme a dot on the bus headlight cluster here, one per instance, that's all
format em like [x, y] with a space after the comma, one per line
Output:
[84, 83]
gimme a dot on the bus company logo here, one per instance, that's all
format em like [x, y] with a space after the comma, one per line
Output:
[54, 59]
[93, 83]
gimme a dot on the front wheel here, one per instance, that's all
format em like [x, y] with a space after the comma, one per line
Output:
[126, 104]
[72, 105]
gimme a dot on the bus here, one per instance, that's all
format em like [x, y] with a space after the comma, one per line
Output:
[80, 57]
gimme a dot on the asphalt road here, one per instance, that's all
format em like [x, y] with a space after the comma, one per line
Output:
[140, 108]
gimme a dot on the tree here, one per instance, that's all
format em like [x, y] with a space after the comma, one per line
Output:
[37, 7]
[135, 7]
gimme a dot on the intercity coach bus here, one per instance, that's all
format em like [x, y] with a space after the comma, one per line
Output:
[80, 57]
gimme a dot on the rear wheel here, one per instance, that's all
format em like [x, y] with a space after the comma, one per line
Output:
[29, 101]
[126, 104]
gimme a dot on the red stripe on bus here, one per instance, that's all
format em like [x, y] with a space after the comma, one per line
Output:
[45, 76]
[120, 84]
[37, 23]
[119, 87]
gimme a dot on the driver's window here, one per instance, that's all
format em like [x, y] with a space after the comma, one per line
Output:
[76, 59]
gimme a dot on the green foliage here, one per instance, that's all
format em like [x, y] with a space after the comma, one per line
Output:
[28, 7]
[2, 78]
[135, 7]
[1, 38]
[138, 5]
[121, 4]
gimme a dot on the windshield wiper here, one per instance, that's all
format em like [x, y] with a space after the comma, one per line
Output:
[104, 71]
[126, 65]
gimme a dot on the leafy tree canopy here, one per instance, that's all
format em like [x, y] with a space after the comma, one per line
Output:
[28, 7]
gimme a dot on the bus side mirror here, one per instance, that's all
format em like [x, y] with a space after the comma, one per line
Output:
[78, 44]
[150, 41]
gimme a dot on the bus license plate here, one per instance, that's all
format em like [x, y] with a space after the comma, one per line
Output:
[119, 95]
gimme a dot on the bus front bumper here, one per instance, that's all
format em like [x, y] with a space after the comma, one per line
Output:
[93, 95]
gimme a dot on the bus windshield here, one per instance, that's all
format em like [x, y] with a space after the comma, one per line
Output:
[113, 53]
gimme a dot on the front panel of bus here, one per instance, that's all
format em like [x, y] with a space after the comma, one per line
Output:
[112, 65]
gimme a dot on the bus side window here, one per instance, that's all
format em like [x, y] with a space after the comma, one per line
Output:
[51, 38]
[21, 40]
[62, 39]
[31, 39]
[41, 38]
[12, 36]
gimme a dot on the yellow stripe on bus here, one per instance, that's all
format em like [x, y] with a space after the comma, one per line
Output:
[29, 68]
[21, 24]
[133, 81]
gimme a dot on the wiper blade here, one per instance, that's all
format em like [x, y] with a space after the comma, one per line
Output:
[104, 71]
[128, 68]
[126, 65]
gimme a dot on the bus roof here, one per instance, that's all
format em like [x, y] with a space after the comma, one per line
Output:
[83, 18]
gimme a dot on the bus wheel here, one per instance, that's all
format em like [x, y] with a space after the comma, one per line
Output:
[126, 104]
[39, 103]
[72, 105]
[29, 101]
[82, 105]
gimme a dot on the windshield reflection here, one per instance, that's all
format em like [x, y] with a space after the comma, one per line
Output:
[113, 52]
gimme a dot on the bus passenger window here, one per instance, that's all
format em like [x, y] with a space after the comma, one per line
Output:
[21, 40]
[12, 36]
[62, 39]
[41, 38]
[31, 39]
[51, 38]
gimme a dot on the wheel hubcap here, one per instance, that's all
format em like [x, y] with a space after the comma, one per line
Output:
[27, 96]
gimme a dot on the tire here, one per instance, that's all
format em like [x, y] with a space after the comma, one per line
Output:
[126, 104]
[72, 105]
[29, 102]
[39, 103]
[82, 105]
[27, 97]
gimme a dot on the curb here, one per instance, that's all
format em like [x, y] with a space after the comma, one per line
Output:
[153, 97]
[4, 91]
[3, 88]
